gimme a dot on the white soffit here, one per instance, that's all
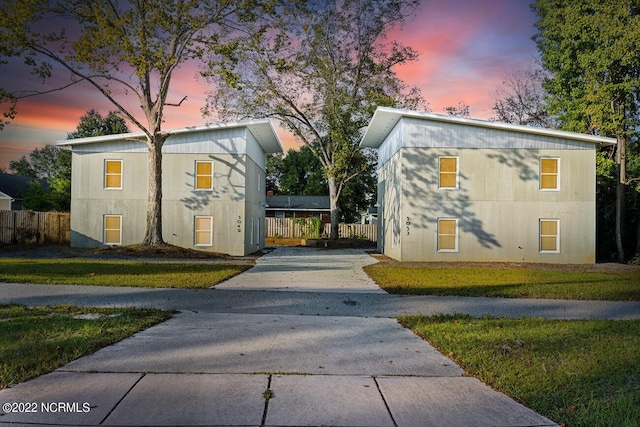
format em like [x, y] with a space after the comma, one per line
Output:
[384, 120]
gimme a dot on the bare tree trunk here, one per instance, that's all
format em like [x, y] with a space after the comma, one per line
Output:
[621, 181]
[153, 235]
[333, 200]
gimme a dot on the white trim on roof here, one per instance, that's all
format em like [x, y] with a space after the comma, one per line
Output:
[384, 120]
[262, 130]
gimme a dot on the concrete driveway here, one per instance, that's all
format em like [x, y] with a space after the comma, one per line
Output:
[240, 368]
[303, 269]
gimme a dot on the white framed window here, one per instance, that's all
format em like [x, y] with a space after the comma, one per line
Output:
[203, 231]
[447, 235]
[112, 229]
[204, 175]
[448, 172]
[113, 174]
[549, 232]
[549, 174]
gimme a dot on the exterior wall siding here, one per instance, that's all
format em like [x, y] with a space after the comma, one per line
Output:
[390, 209]
[90, 201]
[498, 202]
[236, 200]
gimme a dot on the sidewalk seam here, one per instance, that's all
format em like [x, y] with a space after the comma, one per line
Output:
[386, 405]
[266, 401]
[122, 398]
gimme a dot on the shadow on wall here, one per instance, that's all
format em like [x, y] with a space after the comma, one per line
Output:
[228, 190]
[428, 202]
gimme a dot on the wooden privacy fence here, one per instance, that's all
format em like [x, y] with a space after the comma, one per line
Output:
[355, 231]
[294, 228]
[34, 227]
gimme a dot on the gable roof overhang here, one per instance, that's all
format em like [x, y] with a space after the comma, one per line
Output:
[385, 119]
[261, 129]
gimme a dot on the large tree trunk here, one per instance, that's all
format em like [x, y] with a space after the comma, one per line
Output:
[333, 200]
[621, 183]
[153, 235]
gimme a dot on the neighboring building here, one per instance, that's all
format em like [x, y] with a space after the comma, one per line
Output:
[458, 189]
[370, 216]
[12, 189]
[299, 207]
[213, 187]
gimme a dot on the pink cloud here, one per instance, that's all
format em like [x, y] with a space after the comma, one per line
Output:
[465, 46]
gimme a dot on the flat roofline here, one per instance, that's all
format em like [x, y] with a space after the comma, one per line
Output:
[261, 129]
[384, 120]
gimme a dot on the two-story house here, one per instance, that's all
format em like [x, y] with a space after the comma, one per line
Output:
[213, 187]
[460, 189]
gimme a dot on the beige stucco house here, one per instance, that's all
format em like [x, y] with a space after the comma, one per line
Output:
[213, 187]
[459, 189]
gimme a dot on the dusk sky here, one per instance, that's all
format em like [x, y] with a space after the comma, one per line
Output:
[466, 48]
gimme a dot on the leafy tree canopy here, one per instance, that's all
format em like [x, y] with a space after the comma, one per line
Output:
[322, 70]
[590, 48]
[124, 49]
[93, 124]
[300, 173]
[53, 163]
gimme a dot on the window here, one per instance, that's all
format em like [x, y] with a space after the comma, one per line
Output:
[448, 172]
[203, 233]
[447, 235]
[550, 235]
[279, 214]
[204, 175]
[113, 174]
[113, 229]
[549, 174]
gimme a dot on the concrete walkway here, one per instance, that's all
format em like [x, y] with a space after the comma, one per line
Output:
[315, 353]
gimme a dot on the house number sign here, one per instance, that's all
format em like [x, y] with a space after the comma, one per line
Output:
[239, 223]
[408, 224]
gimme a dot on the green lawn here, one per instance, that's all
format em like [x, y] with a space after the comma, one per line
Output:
[581, 373]
[509, 283]
[116, 273]
[35, 341]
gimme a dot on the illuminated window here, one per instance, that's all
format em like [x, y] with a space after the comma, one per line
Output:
[204, 175]
[550, 235]
[113, 174]
[448, 172]
[549, 174]
[113, 229]
[203, 232]
[447, 235]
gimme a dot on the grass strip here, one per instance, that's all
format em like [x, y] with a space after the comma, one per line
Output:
[578, 373]
[508, 283]
[38, 340]
[116, 273]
